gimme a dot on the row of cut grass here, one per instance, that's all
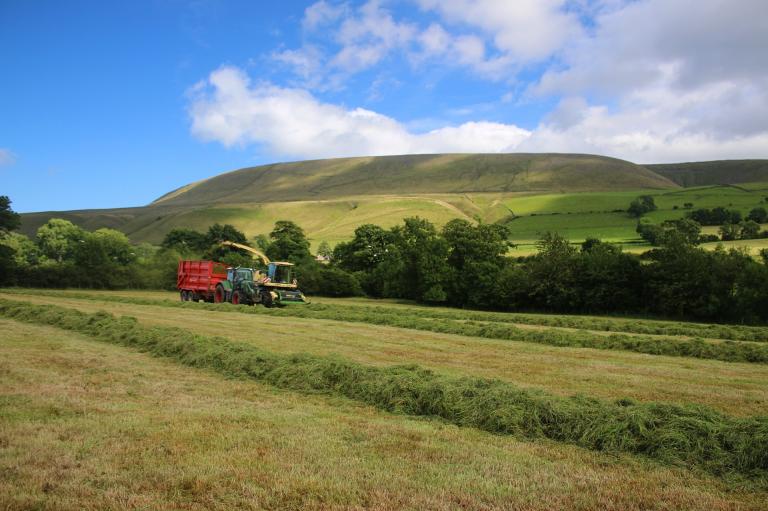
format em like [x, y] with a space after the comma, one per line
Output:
[726, 351]
[734, 389]
[90, 425]
[694, 436]
[581, 322]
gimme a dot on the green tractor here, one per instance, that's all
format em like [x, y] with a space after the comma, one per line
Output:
[249, 286]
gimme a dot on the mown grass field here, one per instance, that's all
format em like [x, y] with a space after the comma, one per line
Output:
[94, 425]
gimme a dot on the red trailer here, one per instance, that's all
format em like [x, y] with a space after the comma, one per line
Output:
[196, 280]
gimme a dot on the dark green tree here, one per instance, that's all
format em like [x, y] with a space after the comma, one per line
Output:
[642, 205]
[289, 243]
[552, 272]
[749, 230]
[185, 240]
[759, 215]
[417, 267]
[476, 255]
[365, 251]
[9, 219]
[227, 232]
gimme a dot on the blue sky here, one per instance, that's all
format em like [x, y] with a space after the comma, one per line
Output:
[108, 104]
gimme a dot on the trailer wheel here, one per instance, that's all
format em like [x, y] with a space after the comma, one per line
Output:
[218, 294]
[184, 296]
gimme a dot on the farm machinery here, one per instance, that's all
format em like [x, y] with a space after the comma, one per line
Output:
[215, 282]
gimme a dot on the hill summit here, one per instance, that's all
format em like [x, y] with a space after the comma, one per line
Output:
[418, 174]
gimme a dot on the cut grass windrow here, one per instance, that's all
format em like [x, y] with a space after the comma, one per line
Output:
[693, 436]
[726, 351]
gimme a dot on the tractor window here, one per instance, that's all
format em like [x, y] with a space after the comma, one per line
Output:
[244, 274]
[282, 275]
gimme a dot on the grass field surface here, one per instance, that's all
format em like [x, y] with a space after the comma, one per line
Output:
[93, 426]
[734, 388]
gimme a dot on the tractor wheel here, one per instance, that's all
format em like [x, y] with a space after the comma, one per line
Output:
[236, 298]
[266, 299]
[219, 294]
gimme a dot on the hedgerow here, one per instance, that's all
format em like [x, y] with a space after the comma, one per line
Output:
[693, 436]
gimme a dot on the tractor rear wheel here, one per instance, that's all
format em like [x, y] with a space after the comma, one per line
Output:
[219, 294]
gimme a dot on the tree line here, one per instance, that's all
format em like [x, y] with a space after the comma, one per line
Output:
[462, 265]
[465, 265]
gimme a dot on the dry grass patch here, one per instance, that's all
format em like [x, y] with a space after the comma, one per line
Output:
[86, 425]
[737, 389]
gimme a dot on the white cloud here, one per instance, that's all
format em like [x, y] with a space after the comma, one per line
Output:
[644, 80]
[524, 30]
[655, 125]
[321, 13]
[291, 122]
[652, 40]
[6, 157]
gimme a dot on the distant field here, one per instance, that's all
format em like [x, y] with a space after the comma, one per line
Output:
[89, 424]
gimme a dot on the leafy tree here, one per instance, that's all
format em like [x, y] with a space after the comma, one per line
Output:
[365, 251]
[606, 279]
[185, 240]
[227, 232]
[418, 268]
[261, 241]
[58, 239]
[716, 216]
[642, 205]
[289, 243]
[103, 259]
[683, 230]
[324, 250]
[9, 219]
[552, 272]
[749, 230]
[649, 231]
[476, 256]
[729, 231]
[25, 252]
[759, 215]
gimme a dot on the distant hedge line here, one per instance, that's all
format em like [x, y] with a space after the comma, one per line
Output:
[693, 436]
[727, 351]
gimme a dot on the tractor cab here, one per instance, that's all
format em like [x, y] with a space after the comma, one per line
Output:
[280, 273]
[237, 275]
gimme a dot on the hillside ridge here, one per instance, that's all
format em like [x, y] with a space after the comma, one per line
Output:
[418, 174]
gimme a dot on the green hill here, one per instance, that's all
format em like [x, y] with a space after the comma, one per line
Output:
[578, 195]
[417, 174]
[706, 173]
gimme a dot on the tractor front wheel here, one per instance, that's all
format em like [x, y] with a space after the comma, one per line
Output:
[219, 294]
[266, 299]
[236, 298]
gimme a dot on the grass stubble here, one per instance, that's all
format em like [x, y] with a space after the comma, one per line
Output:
[693, 436]
[733, 388]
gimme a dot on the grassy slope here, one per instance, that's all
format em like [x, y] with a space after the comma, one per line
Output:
[546, 192]
[418, 174]
[89, 425]
[355, 190]
[713, 172]
[737, 389]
